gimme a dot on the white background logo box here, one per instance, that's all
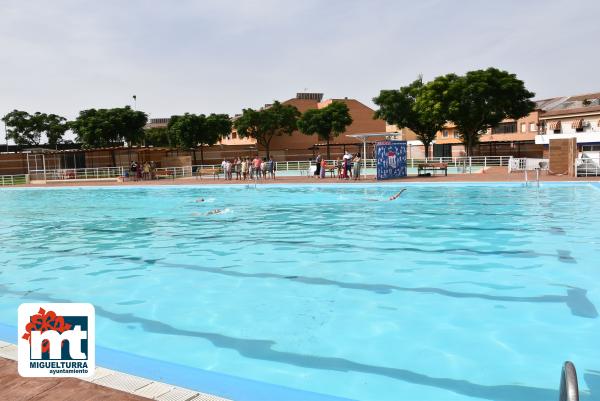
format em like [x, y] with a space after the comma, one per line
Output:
[56, 340]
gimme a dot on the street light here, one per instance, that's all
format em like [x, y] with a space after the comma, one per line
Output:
[134, 102]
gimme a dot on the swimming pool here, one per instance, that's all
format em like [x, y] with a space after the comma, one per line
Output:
[450, 292]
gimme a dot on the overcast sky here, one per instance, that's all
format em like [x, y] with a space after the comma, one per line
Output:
[221, 56]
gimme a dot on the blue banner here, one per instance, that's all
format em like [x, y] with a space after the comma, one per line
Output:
[391, 159]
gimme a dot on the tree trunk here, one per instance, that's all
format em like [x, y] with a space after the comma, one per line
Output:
[194, 154]
[328, 152]
[426, 146]
[201, 154]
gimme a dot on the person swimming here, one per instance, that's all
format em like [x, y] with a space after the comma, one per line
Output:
[394, 197]
[215, 211]
[391, 198]
[199, 200]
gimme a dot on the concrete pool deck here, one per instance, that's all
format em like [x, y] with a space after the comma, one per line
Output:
[489, 174]
[106, 384]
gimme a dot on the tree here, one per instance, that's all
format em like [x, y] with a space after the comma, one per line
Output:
[27, 129]
[159, 136]
[265, 124]
[191, 130]
[55, 127]
[477, 101]
[104, 127]
[405, 109]
[328, 122]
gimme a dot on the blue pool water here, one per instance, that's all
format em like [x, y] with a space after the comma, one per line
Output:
[450, 292]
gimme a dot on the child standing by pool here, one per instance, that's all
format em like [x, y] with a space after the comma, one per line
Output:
[323, 168]
[245, 168]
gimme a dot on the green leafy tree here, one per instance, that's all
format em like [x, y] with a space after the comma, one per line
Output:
[55, 128]
[265, 124]
[28, 129]
[403, 108]
[328, 122]
[159, 136]
[105, 127]
[192, 130]
[477, 101]
[21, 128]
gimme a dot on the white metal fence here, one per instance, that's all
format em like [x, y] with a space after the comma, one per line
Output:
[77, 174]
[525, 164]
[588, 165]
[462, 164]
[9, 180]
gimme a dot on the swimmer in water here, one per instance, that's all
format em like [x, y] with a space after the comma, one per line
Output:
[391, 198]
[216, 211]
[199, 200]
[394, 197]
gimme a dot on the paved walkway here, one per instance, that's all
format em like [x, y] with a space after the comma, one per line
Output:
[496, 174]
[16, 388]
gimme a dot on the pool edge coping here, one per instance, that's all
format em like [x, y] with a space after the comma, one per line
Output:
[116, 380]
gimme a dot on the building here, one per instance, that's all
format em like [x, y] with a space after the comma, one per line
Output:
[299, 146]
[509, 138]
[572, 117]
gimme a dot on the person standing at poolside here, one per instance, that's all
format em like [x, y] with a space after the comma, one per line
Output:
[271, 167]
[323, 168]
[238, 168]
[357, 166]
[224, 168]
[318, 161]
[347, 165]
[256, 164]
[245, 169]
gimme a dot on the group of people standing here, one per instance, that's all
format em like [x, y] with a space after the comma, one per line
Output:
[249, 169]
[141, 171]
[348, 166]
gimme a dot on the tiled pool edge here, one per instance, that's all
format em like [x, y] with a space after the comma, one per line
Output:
[129, 384]
[200, 382]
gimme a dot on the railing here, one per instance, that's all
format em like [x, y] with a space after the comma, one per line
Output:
[77, 174]
[173, 172]
[569, 388]
[524, 164]
[461, 163]
[477, 161]
[8, 180]
[587, 167]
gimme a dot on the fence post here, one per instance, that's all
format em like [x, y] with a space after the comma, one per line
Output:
[484, 161]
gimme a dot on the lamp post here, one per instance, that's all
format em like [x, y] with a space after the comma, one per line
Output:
[6, 136]
[134, 102]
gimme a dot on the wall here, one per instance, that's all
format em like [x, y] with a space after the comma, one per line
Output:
[562, 154]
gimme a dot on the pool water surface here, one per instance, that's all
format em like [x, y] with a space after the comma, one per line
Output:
[450, 292]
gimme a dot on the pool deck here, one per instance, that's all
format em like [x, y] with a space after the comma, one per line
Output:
[490, 174]
[106, 384]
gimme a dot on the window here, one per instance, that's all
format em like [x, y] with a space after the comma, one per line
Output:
[456, 134]
[523, 128]
[532, 127]
[445, 134]
[234, 135]
[505, 128]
